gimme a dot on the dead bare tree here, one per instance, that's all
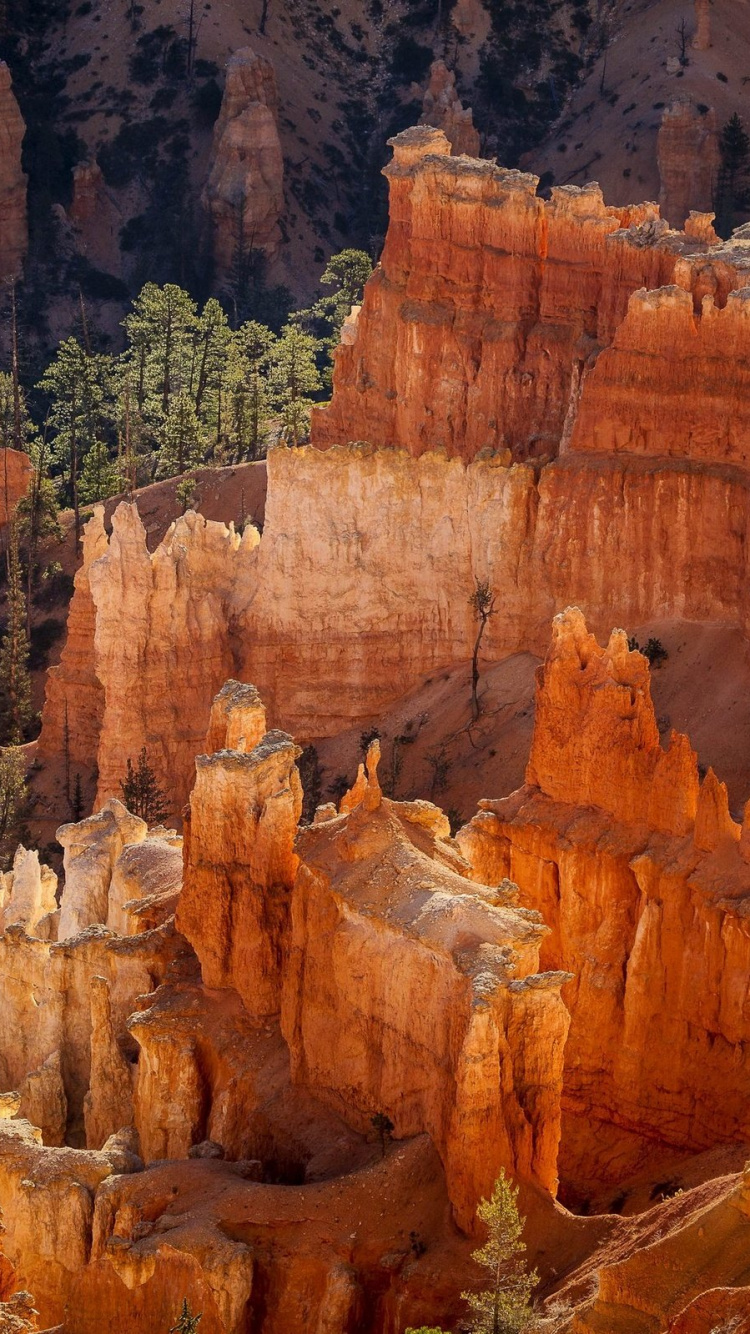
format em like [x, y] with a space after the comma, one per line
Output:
[482, 603]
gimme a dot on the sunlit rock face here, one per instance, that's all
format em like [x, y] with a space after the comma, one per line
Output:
[643, 877]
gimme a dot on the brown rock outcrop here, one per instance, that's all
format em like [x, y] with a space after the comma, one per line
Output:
[96, 218]
[175, 603]
[48, 1210]
[43, 1101]
[45, 1002]
[240, 866]
[146, 883]
[14, 234]
[687, 150]
[637, 869]
[442, 108]
[15, 478]
[238, 719]
[244, 194]
[108, 1105]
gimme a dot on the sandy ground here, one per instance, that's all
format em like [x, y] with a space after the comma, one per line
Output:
[609, 136]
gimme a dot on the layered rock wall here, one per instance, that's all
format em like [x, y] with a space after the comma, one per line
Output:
[390, 547]
[642, 876]
[473, 1056]
[639, 397]
[240, 866]
[488, 302]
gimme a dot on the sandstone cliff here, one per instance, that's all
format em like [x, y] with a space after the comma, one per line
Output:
[14, 236]
[244, 194]
[380, 897]
[488, 302]
[641, 874]
[240, 867]
[393, 545]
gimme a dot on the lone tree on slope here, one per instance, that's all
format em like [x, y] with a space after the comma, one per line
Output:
[482, 603]
[141, 792]
[505, 1306]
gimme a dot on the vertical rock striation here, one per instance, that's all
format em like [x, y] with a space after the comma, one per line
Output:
[638, 869]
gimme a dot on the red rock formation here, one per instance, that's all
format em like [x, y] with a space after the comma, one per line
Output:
[15, 478]
[244, 194]
[679, 1268]
[380, 903]
[380, 532]
[91, 849]
[487, 303]
[145, 884]
[442, 109]
[240, 866]
[640, 875]
[639, 397]
[14, 235]
[687, 150]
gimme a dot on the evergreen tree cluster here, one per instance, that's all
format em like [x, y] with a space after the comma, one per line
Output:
[188, 389]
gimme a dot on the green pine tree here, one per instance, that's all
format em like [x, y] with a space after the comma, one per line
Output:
[77, 385]
[13, 796]
[733, 186]
[294, 378]
[249, 397]
[141, 792]
[15, 681]
[186, 1322]
[505, 1306]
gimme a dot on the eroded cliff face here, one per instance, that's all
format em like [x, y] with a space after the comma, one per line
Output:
[380, 904]
[244, 194]
[14, 234]
[642, 875]
[489, 302]
[392, 546]
[230, 1073]
[240, 860]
